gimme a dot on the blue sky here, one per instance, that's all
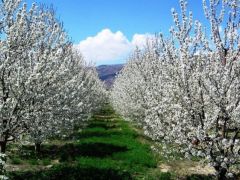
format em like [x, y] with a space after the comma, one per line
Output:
[106, 30]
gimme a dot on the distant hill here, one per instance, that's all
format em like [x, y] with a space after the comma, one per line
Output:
[107, 73]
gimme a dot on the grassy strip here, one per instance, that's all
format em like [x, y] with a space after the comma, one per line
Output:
[107, 149]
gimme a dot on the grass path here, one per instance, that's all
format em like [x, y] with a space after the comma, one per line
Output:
[108, 148]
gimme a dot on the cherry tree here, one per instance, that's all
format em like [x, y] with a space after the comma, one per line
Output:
[17, 41]
[205, 99]
[46, 57]
[29, 59]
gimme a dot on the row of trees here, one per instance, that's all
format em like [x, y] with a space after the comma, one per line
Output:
[185, 89]
[46, 87]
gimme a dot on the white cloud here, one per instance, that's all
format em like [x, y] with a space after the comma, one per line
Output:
[109, 47]
[105, 46]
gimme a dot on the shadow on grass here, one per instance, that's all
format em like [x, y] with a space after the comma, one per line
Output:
[108, 110]
[96, 129]
[90, 134]
[99, 150]
[63, 172]
[69, 152]
[104, 125]
[200, 177]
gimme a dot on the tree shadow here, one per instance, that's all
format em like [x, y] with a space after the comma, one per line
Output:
[64, 172]
[90, 134]
[101, 130]
[200, 177]
[100, 150]
[106, 111]
[69, 152]
[103, 125]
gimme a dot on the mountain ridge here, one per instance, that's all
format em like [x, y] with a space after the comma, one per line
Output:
[107, 73]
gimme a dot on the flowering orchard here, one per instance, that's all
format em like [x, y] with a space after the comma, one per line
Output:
[185, 89]
[46, 87]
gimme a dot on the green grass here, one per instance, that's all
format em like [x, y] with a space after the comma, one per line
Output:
[33, 161]
[46, 162]
[107, 149]
[16, 160]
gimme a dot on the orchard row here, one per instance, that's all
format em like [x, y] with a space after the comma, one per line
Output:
[46, 87]
[185, 89]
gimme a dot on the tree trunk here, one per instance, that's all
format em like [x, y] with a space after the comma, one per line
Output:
[221, 173]
[37, 148]
[3, 145]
